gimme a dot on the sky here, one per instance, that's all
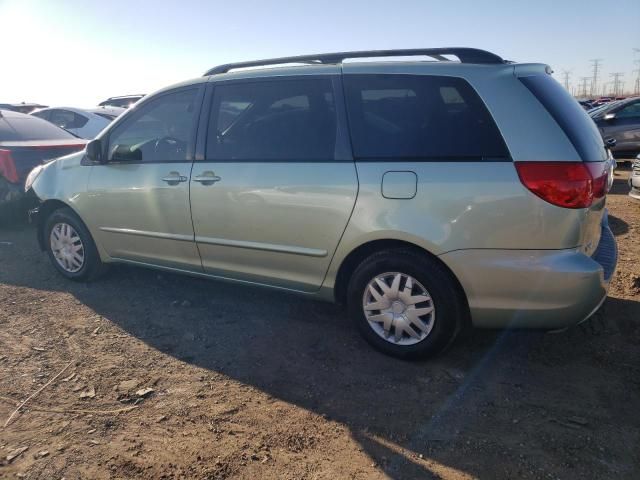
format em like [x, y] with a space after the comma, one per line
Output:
[79, 52]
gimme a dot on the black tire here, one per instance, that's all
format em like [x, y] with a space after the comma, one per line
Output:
[446, 297]
[92, 266]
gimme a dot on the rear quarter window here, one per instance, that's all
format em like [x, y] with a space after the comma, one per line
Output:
[424, 117]
[569, 115]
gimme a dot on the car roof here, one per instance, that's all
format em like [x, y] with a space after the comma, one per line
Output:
[135, 95]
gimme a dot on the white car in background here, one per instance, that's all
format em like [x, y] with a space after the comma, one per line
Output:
[634, 179]
[84, 123]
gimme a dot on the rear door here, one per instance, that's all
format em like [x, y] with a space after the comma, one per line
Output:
[277, 184]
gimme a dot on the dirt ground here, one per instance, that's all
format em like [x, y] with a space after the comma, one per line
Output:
[237, 382]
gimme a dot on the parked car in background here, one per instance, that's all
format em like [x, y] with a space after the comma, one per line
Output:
[26, 142]
[586, 104]
[21, 107]
[419, 201]
[593, 111]
[634, 180]
[620, 120]
[82, 123]
[124, 101]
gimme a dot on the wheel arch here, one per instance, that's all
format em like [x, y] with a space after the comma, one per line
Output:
[44, 211]
[361, 252]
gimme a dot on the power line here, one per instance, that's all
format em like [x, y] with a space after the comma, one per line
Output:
[616, 82]
[595, 63]
[583, 85]
[636, 90]
[565, 75]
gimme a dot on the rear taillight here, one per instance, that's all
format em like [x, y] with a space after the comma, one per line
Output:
[7, 166]
[600, 173]
[565, 184]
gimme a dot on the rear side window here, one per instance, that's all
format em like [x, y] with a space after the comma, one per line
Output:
[27, 127]
[569, 115]
[420, 117]
[285, 120]
[67, 119]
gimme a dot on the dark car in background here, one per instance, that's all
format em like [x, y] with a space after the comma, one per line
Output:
[586, 104]
[26, 142]
[124, 101]
[620, 121]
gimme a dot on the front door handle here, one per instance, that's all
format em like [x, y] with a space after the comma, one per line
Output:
[207, 178]
[174, 178]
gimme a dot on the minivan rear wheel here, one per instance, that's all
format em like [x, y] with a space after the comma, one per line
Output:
[70, 246]
[405, 303]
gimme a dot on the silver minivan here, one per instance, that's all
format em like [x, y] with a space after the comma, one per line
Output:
[424, 195]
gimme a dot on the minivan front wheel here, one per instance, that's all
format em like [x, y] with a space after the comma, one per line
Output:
[70, 246]
[404, 303]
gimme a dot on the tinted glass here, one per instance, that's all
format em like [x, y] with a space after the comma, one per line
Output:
[285, 120]
[426, 117]
[28, 127]
[67, 119]
[569, 115]
[160, 131]
[629, 111]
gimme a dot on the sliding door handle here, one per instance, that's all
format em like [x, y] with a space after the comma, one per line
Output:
[207, 178]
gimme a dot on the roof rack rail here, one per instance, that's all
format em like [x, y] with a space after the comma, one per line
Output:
[466, 55]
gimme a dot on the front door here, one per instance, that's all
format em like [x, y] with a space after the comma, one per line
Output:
[140, 199]
[277, 186]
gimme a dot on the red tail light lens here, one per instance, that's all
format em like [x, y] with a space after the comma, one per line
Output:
[7, 167]
[565, 184]
[600, 174]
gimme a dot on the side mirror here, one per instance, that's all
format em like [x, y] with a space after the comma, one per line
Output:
[94, 151]
[610, 142]
[609, 116]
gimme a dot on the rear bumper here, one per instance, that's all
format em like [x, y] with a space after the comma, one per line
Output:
[548, 289]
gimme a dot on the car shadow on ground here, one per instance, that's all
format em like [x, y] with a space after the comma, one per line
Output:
[304, 352]
[621, 181]
[618, 226]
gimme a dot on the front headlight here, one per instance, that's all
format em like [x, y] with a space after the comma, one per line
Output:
[32, 177]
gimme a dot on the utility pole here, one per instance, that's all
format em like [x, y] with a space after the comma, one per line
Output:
[583, 86]
[595, 63]
[566, 74]
[636, 52]
[616, 82]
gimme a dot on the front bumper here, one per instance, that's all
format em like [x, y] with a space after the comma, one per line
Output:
[547, 289]
[11, 198]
